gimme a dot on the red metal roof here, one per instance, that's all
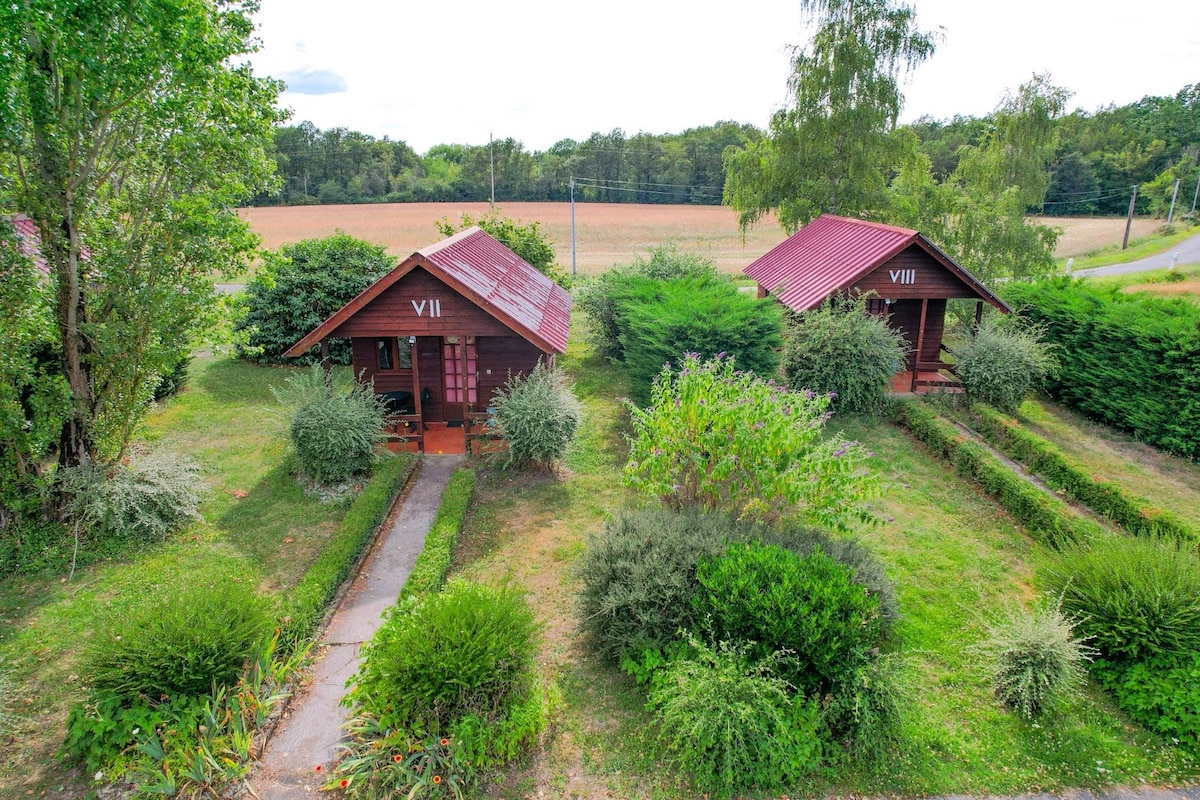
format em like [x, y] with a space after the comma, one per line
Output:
[31, 241]
[490, 275]
[833, 253]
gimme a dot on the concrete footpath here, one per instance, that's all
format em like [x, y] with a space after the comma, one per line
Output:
[311, 729]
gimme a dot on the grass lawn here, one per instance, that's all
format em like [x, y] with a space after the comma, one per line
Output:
[257, 520]
[957, 558]
[1139, 248]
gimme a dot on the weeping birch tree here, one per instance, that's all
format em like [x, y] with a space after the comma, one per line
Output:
[833, 149]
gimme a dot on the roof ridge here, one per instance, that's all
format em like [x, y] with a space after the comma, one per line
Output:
[870, 223]
[465, 233]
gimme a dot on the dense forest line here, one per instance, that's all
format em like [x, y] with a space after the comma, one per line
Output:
[1099, 157]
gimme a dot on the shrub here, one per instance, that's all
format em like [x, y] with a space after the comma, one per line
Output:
[776, 600]
[1135, 598]
[466, 652]
[180, 640]
[1035, 658]
[1162, 693]
[660, 321]
[840, 349]
[153, 495]
[863, 710]
[334, 432]
[732, 724]
[429, 572]
[298, 287]
[1129, 360]
[171, 382]
[537, 415]
[638, 577]
[1004, 363]
[723, 439]
[600, 297]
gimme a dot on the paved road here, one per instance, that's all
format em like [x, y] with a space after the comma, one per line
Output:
[1186, 252]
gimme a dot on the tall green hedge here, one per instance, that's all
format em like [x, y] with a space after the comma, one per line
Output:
[1129, 360]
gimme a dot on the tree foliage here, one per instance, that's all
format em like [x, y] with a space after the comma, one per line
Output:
[832, 149]
[524, 239]
[129, 132]
[722, 439]
[298, 287]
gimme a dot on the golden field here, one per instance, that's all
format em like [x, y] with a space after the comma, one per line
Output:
[606, 233]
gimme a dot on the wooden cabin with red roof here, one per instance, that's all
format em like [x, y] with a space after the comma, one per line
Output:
[447, 327]
[908, 279]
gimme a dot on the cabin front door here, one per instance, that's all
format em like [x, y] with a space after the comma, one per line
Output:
[459, 375]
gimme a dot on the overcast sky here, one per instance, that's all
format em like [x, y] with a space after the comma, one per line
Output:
[544, 70]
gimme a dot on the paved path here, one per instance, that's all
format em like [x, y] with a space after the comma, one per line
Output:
[309, 734]
[1186, 252]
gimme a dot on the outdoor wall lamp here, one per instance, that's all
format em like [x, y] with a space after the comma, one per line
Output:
[412, 340]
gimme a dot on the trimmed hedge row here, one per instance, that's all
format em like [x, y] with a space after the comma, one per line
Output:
[1050, 520]
[1061, 473]
[1129, 360]
[429, 572]
[306, 603]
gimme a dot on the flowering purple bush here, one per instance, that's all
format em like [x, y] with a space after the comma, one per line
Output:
[721, 439]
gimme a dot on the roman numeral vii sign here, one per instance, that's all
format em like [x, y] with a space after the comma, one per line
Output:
[435, 306]
[903, 276]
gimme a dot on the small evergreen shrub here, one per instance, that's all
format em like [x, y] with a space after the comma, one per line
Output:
[537, 415]
[1035, 658]
[1004, 363]
[1135, 598]
[840, 349]
[863, 711]
[334, 432]
[171, 382]
[464, 657]
[776, 600]
[732, 724]
[181, 640]
[638, 577]
[154, 494]
[1162, 693]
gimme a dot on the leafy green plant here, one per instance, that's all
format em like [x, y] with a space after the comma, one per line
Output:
[152, 495]
[840, 349]
[334, 432]
[601, 297]
[1035, 658]
[537, 414]
[381, 762]
[1004, 363]
[468, 651]
[719, 438]
[181, 639]
[298, 287]
[1135, 598]
[775, 600]
[732, 724]
[863, 712]
[638, 577]
[1162, 693]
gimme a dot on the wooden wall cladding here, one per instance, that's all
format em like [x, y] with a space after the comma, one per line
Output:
[421, 305]
[914, 274]
[906, 317]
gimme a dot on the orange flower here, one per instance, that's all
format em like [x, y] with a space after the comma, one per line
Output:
[445, 742]
[437, 778]
[397, 758]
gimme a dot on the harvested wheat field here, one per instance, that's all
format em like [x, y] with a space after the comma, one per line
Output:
[607, 233]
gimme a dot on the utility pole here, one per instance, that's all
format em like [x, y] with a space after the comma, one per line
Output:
[1129, 219]
[1174, 194]
[573, 267]
[492, 163]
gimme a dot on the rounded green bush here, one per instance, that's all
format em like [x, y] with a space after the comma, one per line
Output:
[1135, 597]
[777, 600]
[335, 433]
[840, 349]
[1003, 364]
[467, 651]
[181, 640]
[537, 415]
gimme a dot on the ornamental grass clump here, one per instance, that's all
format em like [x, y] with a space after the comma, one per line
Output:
[1035, 658]
[538, 415]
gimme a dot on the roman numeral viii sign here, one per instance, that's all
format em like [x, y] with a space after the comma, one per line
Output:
[903, 276]
[435, 307]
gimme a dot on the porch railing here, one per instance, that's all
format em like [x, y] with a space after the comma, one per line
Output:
[405, 428]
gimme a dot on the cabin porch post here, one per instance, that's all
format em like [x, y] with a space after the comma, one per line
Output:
[920, 344]
[326, 363]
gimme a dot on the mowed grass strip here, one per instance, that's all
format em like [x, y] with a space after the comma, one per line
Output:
[257, 521]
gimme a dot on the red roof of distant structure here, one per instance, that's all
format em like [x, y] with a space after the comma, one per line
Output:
[31, 241]
[489, 274]
[832, 253]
